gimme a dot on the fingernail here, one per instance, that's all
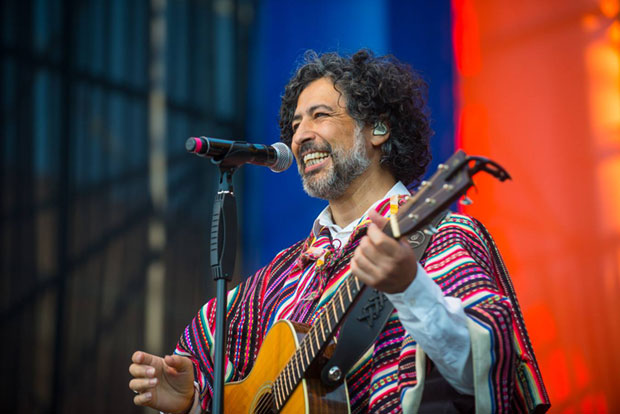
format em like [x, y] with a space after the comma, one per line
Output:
[150, 371]
[147, 395]
[153, 381]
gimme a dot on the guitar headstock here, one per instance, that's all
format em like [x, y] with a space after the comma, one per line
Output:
[451, 180]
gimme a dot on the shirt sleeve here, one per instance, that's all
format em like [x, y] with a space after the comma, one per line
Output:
[459, 262]
[439, 325]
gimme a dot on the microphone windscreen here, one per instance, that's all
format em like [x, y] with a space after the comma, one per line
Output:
[284, 157]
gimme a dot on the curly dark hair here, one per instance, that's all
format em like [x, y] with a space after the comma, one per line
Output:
[376, 89]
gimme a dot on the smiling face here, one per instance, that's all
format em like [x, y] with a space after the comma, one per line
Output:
[329, 145]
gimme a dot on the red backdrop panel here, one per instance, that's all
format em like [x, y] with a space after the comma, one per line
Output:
[539, 92]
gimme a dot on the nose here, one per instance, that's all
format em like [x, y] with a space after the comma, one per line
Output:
[303, 133]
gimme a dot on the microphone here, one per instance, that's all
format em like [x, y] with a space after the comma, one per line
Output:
[278, 157]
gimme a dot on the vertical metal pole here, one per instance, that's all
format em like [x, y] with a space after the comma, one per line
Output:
[156, 272]
[64, 205]
[220, 347]
[223, 254]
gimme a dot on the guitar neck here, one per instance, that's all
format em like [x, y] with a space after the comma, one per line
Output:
[316, 339]
[450, 181]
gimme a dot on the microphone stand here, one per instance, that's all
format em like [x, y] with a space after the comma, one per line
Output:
[223, 251]
[224, 239]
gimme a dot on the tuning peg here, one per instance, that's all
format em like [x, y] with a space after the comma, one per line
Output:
[431, 230]
[466, 201]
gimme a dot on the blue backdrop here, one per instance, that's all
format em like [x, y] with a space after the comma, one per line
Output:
[274, 210]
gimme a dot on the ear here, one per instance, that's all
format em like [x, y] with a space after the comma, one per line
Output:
[380, 133]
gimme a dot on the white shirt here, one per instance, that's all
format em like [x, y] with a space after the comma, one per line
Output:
[436, 322]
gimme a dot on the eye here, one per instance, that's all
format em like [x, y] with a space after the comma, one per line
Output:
[295, 126]
[320, 114]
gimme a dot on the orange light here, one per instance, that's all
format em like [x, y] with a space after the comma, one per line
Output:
[614, 32]
[590, 22]
[610, 8]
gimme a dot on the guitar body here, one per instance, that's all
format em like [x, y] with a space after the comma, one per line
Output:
[253, 394]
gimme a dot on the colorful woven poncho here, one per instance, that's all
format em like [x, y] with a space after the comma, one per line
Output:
[300, 280]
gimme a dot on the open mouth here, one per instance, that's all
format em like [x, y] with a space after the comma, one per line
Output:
[313, 160]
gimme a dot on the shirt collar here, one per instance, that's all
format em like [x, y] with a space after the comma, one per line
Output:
[325, 217]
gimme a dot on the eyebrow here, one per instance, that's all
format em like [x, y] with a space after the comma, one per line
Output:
[312, 109]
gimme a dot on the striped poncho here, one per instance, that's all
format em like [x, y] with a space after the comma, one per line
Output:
[388, 379]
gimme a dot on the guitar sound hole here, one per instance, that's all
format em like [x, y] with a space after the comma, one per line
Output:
[265, 404]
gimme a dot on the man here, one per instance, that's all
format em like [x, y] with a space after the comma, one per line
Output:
[359, 132]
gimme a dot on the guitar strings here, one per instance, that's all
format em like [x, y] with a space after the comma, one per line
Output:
[264, 404]
[260, 406]
[267, 402]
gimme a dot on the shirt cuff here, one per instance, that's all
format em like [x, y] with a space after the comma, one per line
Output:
[196, 409]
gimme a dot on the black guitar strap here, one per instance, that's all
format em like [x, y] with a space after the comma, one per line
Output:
[365, 321]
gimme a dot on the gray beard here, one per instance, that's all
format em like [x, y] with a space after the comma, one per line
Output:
[344, 169]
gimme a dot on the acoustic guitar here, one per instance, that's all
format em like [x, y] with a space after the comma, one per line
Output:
[286, 374]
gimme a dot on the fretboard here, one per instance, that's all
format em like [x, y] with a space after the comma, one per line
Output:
[316, 339]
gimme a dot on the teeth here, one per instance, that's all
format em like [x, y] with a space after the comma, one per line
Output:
[314, 158]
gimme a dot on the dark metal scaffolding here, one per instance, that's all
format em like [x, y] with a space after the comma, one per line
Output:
[77, 203]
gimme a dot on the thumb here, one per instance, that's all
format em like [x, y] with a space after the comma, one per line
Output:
[377, 219]
[179, 363]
